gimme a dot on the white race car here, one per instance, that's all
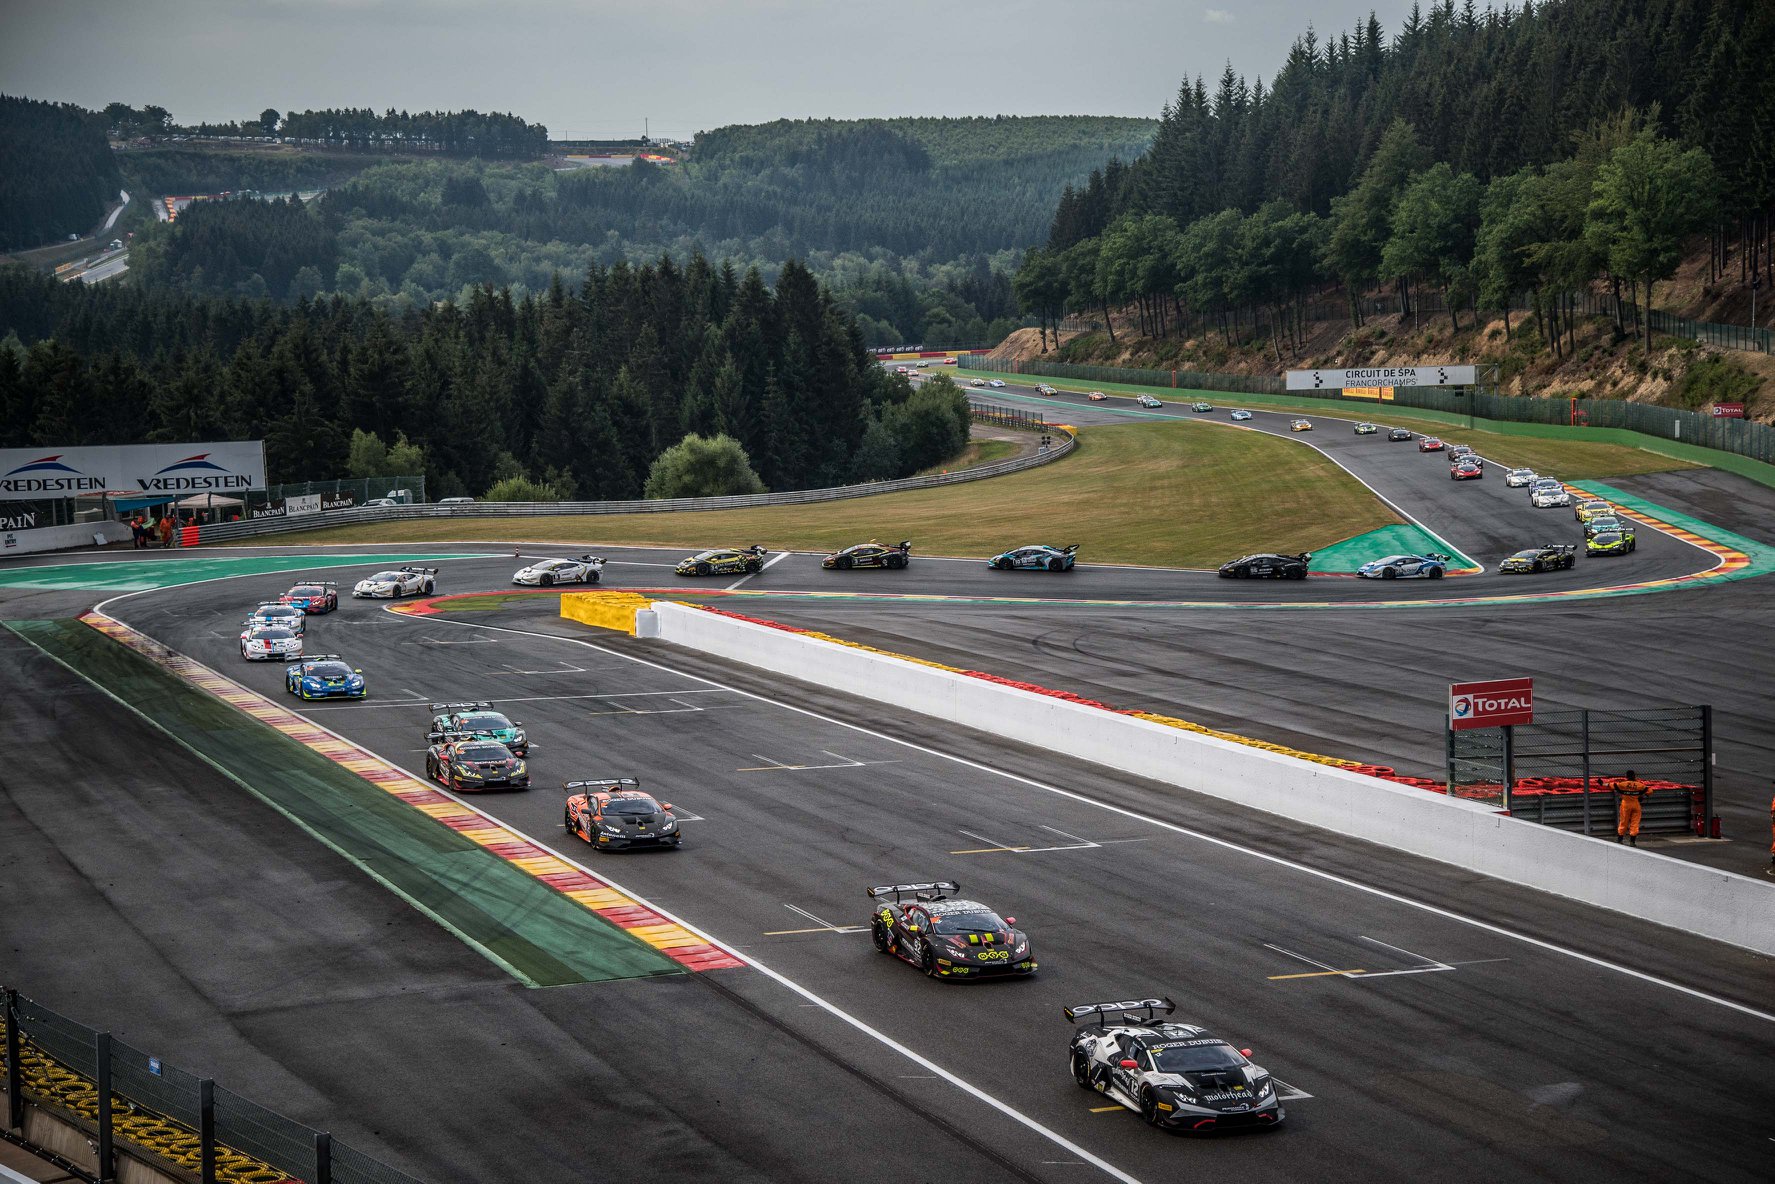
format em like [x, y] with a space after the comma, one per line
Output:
[400, 581]
[997, 382]
[550, 572]
[266, 643]
[1240, 414]
[1147, 401]
[276, 612]
[1176, 1076]
[1548, 494]
[1516, 478]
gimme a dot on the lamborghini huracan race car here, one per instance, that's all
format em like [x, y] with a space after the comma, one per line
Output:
[612, 814]
[946, 938]
[1468, 468]
[1398, 434]
[1038, 558]
[726, 561]
[869, 554]
[1430, 444]
[1594, 507]
[1147, 401]
[548, 572]
[1367, 429]
[400, 581]
[1097, 396]
[1301, 425]
[1547, 557]
[263, 642]
[313, 596]
[1176, 1076]
[1405, 567]
[479, 719]
[1239, 415]
[276, 612]
[1517, 478]
[324, 676]
[1198, 408]
[471, 762]
[1548, 494]
[1609, 542]
[1606, 524]
[1267, 566]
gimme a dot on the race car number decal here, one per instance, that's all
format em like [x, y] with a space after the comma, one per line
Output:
[994, 955]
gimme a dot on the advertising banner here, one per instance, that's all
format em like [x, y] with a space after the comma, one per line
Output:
[338, 501]
[1331, 380]
[1491, 704]
[173, 470]
[271, 509]
[1381, 393]
[18, 519]
[1728, 410]
[306, 503]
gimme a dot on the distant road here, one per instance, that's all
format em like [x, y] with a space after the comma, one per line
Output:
[112, 267]
[112, 220]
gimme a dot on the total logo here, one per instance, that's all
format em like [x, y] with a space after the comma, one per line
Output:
[1466, 705]
[48, 474]
[192, 475]
[1463, 707]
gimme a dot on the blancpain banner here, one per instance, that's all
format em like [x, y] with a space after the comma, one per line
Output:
[176, 470]
[1333, 380]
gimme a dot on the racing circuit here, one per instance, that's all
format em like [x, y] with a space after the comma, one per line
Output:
[1425, 1023]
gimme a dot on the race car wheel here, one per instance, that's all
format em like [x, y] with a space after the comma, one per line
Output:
[591, 577]
[548, 579]
[702, 569]
[842, 563]
[754, 566]
[1002, 564]
[929, 963]
[1299, 574]
[1149, 1106]
[431, 769]
[430, 587]
[1054, 565]
[1081, 1070]
[1388, 573]
[879, 936]
[896, 562]
[1435, 573]
[568, 823]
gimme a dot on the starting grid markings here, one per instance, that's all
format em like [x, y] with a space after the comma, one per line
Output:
[664, 935]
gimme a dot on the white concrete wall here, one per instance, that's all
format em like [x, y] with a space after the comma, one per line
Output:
[1672, 892]
[61, 538]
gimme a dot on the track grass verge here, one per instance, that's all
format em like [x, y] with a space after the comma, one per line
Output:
[539, 936]
[1166, 494]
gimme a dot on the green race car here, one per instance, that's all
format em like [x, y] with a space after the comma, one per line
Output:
[1609, 542]
[479, 719]
[725, 561]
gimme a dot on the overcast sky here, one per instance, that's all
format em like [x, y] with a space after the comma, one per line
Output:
[599, 67]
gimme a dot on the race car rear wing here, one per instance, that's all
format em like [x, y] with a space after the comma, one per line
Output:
[471, 734]
[316, 658]
[756, 549]
[1099, 1013]
[594, 560]
[602, 783]
[315, 583]
[1072, 550]
[935, 890]
[436, 707]
[905, 547]
[429, 571]
[1559, 546]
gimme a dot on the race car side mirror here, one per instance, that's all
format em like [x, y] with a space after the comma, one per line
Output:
[1244, 1052]
[667, 806]
[1010, 920]
[1128, 1064]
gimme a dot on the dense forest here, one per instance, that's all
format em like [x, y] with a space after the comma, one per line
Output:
[1480, 155]
[915, 223]
[185, 170]
[567, 393]
[57, 172]
[459, 133]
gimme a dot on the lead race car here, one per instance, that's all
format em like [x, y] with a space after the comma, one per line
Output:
[723, 561]
[1429, 566]
[1176, 1076]
[546, 573]
[1267, 566]
[397, 582]
[947, 938]
[1040, 557]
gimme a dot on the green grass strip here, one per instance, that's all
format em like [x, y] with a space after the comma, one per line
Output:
[139, 575]
[1352, 553]
[539, 936]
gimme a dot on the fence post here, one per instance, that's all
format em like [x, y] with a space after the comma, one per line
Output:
[1706, 765]
[323, 1158]
[206, 1131]
[1509, 763]
[102, 1047]
[1585, 716]
[15, 1086]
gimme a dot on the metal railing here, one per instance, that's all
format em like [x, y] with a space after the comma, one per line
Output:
[1742, 436]
[130, 1103]
[252, 528]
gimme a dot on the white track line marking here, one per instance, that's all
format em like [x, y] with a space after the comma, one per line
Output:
[768, 564]
[1174, 828]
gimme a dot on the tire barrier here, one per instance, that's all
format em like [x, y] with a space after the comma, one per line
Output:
[49, 1083]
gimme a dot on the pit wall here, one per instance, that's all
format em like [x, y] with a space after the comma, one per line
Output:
[1685, 896]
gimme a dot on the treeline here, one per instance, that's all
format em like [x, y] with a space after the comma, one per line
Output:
[57, 175]
[576, 390]
[251, 248]
[464, 133]
[180, 171]
[1488, 155]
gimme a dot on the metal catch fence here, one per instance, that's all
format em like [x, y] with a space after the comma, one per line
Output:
[136, 1106]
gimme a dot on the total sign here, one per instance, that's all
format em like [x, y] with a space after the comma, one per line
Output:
[1491, 704]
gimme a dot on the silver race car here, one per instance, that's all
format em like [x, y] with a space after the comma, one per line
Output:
[1176, 1076]
[397, 582]
[548, 572]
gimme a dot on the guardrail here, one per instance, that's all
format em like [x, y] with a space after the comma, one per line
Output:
[221, 532]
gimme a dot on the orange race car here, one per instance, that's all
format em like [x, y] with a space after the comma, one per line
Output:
[611, 813]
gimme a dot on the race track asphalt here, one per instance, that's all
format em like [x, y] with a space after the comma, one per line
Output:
[1490, 1055]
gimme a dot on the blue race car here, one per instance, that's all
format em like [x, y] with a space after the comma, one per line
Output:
[1037, 558]
[324, 676]
[1406, 567]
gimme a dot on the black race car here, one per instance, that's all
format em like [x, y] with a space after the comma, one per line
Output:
[1176, 1076]
[1267, 566]
[869, 554]
[474, 762]
[947, 938]
[724, 561]
[1397, 434]
[1546, 557]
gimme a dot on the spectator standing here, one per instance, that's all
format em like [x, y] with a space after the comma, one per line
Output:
[138, 531]
[1628, 792]
[166, 539]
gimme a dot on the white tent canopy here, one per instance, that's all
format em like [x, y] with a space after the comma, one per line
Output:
[208, 501]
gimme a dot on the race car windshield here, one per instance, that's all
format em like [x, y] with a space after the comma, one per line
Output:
[1609, 536]
[1530, 554]
[631, 806]
[305, 591]
[385, 577]
[970, 923]
[482, 752]
[1196, 1058]
[328, 670]
[278, 634]
[552, 565]
[477, 721]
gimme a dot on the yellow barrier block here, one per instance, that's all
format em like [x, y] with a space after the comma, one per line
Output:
[604, 610]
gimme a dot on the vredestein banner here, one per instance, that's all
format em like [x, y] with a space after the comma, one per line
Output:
[173, 470]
